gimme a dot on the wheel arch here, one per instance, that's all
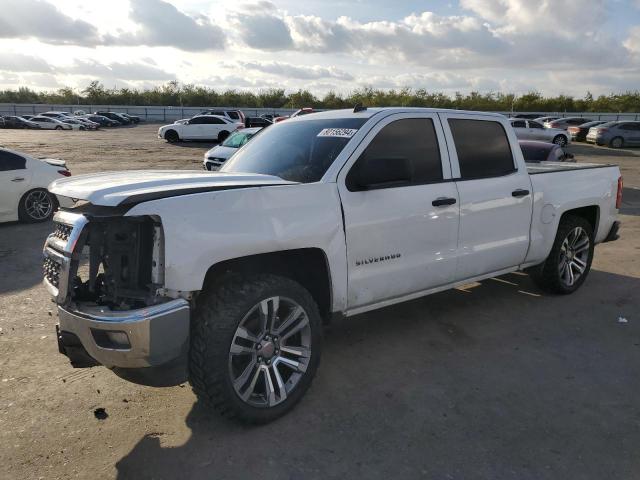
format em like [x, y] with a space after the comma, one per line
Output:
[307, 266]
[170, 130]
[590, 213]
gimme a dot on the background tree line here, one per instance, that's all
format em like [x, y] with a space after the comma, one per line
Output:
[176, 94]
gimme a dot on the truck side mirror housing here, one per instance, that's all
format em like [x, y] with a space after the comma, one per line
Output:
[379, 172]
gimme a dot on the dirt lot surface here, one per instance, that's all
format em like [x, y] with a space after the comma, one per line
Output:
[496, 380]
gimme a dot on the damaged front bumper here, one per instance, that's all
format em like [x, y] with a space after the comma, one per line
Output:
[147, 337]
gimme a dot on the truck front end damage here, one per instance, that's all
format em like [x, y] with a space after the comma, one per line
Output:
[105, 272]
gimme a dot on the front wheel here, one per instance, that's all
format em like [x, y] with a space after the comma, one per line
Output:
[171, 136]
[255, 346]
[58, 127]
[569, 262]
[560, 140]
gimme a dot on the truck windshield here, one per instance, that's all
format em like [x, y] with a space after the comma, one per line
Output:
[295, 151]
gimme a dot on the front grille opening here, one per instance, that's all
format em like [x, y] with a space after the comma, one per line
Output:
[115, 266]
[51, 270]
[62, 231]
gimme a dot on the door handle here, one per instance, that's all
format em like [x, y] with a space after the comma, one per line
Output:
[18, 179]
[521, 192]
[443, 201]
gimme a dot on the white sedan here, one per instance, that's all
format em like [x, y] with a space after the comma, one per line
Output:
[533, 130]
[23, 186]
[50, 123]
[200, 127]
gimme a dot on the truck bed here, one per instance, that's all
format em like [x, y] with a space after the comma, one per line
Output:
[549, 167]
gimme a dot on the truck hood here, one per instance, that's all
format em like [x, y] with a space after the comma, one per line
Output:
[135, 186]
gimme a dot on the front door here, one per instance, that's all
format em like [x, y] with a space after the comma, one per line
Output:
[401, 236]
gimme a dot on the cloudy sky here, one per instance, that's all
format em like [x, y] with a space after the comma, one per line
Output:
[553, 46]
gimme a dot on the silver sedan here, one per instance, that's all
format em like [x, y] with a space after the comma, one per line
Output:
[532, 130]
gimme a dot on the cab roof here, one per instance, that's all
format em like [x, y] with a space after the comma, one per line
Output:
[371, 111]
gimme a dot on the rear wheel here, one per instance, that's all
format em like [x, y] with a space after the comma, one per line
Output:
[58, 127]
[255, 346]
[569, 262]
[560, 140]
[222, 136]
[171, 136]
[616, 142]
[36, 206]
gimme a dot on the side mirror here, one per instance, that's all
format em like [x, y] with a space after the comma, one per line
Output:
[380, 172]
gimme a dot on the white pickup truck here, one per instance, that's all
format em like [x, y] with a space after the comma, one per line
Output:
[227, 277]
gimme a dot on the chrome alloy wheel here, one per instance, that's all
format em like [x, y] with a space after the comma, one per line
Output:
[38, 205]
[574, 256]
[270, 352]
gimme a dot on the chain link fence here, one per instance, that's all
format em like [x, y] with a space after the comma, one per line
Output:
[160, 114]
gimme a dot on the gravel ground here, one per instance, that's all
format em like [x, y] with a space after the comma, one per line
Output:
[497, 380]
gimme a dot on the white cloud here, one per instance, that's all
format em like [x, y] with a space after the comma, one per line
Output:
[161, 24]
[632, 43]
[118, 71]
[18, 62]
[42, 20]
[306, 72]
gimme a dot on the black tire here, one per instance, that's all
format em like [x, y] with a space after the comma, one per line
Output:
[560, 140]
[172, 136]
[616, 142]
[24, 214]
[58, 127]
[548, 274]
[220, 308]
[222, 136]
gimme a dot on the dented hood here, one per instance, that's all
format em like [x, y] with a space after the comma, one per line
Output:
[136, 186]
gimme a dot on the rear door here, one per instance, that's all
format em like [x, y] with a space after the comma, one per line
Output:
[213, 126]
[401, 236]
[495, 194]
[536, 131]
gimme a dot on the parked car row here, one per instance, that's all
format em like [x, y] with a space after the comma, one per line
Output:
[615, 134]
[58, 120]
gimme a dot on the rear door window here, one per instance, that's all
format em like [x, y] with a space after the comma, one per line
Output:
[483, 148]
[519, 124]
